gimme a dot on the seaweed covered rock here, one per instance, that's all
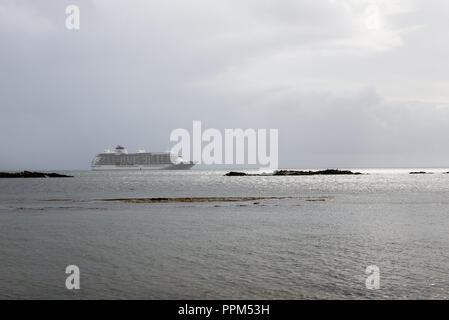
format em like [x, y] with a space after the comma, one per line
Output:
[420, 172]
[297, 173]
[313, 173]
[234, 173]
[31, 174]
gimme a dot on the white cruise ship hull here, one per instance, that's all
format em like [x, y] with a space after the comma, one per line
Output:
[181, 166]
[120, 159]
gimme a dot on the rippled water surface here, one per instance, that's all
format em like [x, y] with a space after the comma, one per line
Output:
[314, 239]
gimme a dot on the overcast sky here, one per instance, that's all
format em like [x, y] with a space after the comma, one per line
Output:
[348, 83]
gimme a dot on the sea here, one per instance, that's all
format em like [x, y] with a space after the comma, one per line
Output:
[198, 234]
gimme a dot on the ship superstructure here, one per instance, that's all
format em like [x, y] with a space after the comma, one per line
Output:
[141, 160]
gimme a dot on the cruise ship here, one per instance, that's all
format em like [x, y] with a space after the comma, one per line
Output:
[120, 159]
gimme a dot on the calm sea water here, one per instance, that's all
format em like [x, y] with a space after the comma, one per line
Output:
[315, 244]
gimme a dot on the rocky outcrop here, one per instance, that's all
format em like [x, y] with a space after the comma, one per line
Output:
[234, 173]
[31, 174]
[314, 173]
[296, 173]
[194, 199]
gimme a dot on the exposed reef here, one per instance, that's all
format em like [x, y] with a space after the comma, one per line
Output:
[420, 172]
[236, 174]
[31, 174]
[296, 173]
[313, 173]
[254, 200]
[194, 199]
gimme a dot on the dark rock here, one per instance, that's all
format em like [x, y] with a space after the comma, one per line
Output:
[196, 199]
[313, 173]
[234, 173]
[420, 172]
[31, 174]
[296, 173]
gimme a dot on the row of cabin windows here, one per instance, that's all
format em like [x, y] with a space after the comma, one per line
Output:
[135, 159]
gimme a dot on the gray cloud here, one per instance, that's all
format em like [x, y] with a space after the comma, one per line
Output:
[340, 94]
